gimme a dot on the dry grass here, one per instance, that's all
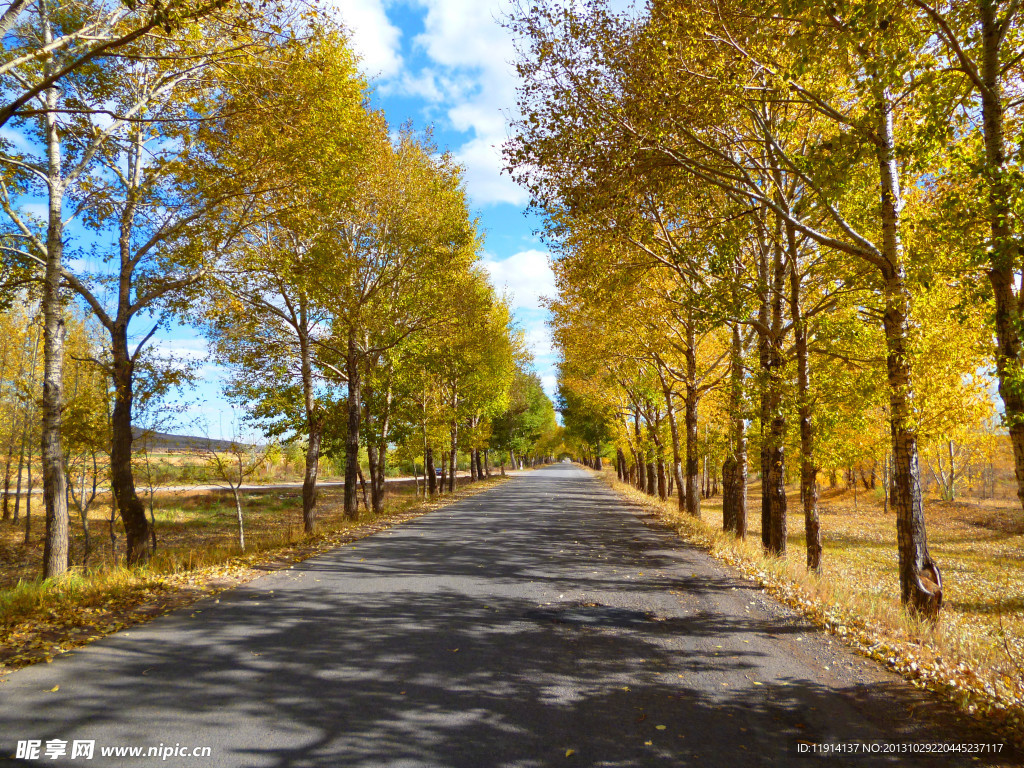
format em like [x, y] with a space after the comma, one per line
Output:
[974, 655]
[197, 555]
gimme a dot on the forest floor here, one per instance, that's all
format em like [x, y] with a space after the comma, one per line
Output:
[974, 655]
[197, 555]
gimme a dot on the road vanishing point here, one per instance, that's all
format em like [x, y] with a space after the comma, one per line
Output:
[540, 623]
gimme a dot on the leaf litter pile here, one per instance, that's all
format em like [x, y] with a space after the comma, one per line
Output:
[975, 654]
[196, 558]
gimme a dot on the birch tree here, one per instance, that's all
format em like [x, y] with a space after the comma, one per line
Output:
[267, 319]
[77, 162]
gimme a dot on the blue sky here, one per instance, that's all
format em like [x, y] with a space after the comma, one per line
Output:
[444, 64]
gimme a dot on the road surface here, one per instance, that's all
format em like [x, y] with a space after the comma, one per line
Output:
[540, 623]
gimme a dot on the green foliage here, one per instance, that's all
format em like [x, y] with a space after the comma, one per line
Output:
[528, 419]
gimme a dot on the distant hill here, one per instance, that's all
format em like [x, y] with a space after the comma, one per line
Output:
[161, 441]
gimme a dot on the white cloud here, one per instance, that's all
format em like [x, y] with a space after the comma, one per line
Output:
[538, 337]
[18, 139]
[468, 80]
[550, 384]
[39, 211]
[188, 349]
[423, 85]
[466, 33]
[472, 55]
[526, 276]
[484, 180]
[374, 37]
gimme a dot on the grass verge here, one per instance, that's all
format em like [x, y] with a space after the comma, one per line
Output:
[41, 619]
[952, 658]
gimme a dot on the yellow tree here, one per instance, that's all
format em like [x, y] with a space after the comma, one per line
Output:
[266, 317]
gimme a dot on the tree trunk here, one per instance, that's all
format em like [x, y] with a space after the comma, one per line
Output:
[84, 510]
[808, 467]
[886, 483]
[381, 476]
[238, 517]
[55, 492]
[377, 442]
[453, 460]
[7, 476]
[371, 461]
[692, 462]
[11, 441]
[951, 488]
[1003, 250]
[740, 488]
[21, 464]
[920, 579]
[122, 481]
[428, 460]
[352, 436]
[152, 523]
[763, 342]
[774, 484]
[28, 504]
[728, 484]
[362, 487]
[314, 437]
[314, 426]
[673, 424]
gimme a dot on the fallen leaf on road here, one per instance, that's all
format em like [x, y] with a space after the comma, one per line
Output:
[55, 689]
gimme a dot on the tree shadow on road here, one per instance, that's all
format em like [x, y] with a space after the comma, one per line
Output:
[472, 672]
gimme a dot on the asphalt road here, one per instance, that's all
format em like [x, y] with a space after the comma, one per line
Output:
[540, 623]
